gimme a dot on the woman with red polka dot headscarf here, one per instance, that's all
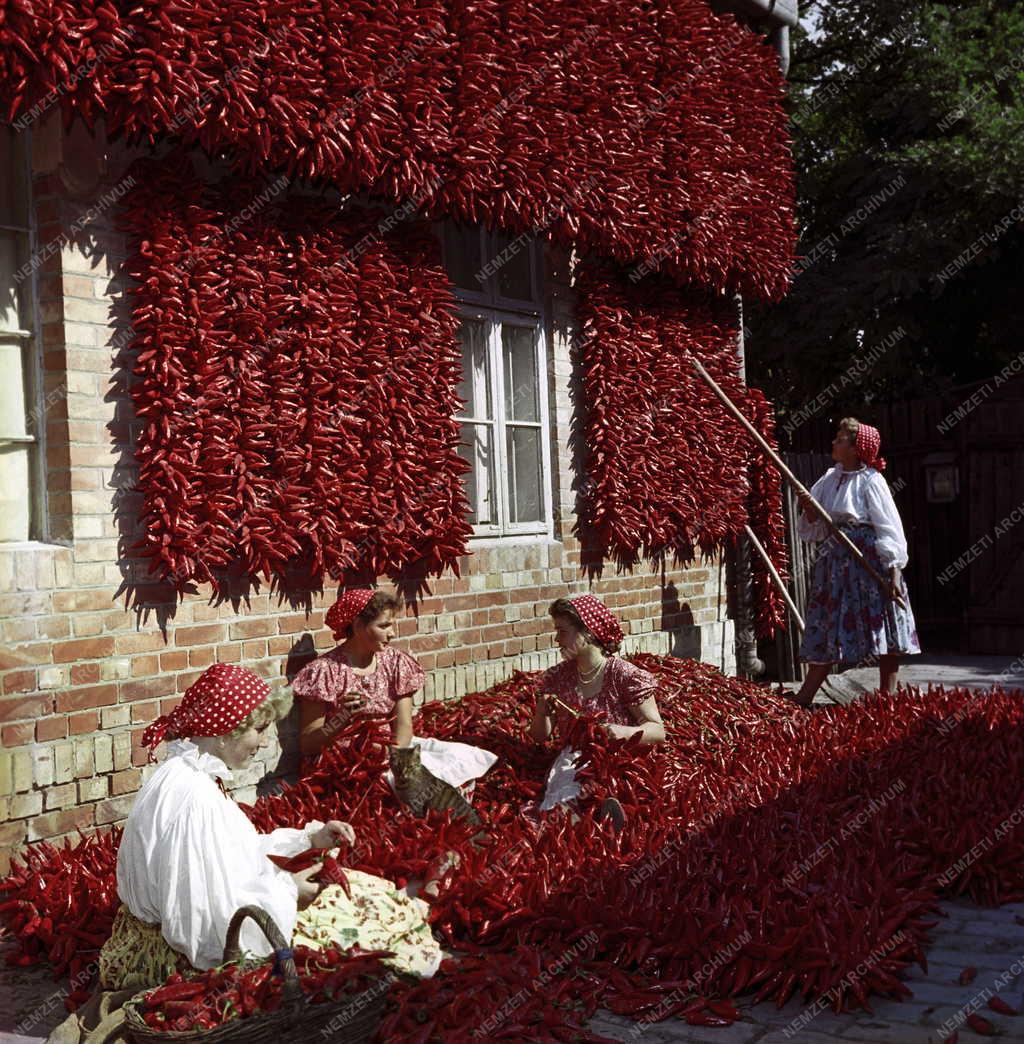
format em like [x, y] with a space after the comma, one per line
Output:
[190, 857]
[366, 675]
[591, 677]
[850, 619]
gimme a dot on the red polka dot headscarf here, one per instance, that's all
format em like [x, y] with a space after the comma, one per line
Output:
[213, 705]
[598, 619]
[867, 444]
[346, 609]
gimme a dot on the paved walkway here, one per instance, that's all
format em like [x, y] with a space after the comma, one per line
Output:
[991, 940]
[972, 672]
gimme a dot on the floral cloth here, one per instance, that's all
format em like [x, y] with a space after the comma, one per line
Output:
[330, 676]
[377, 917]
[624, 685]
[849, 617]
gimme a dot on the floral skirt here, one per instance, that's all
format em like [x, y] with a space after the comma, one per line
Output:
[377, 917]
[850, 620]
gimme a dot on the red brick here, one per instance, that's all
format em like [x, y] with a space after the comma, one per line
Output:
[139, 642]
[25, 707]
[145, 711]
[279, 645]
[18, 735]
[252, 628]
[445, 658]
[83, 699]
[255, 649]
[174, 661]
[184, 679]
[85, 674]
[497, 633]
[113, 809]
[204, 634]
[145, 688]
[51, 728]
[80, 724]
[88, 599]
[293, 623]
[427, 643]
[489, 598]
[428, 661]
[166, 706]
[83, 649]
[24, 655]
[19, 681]
[61, 822]
[463, 655]
[201, 657]
[480, 617]
[54, 627]
[513, 647]
[230, 652]
[143, 666]
[125, 782]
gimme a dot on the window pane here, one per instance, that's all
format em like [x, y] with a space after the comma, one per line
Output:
[524, 474]
[462, 255]
[13, 202]
[475, 386]
[477, 447]
[15, 499]
[12, 257]
[512, 257]
[519, 354]
[12, 388]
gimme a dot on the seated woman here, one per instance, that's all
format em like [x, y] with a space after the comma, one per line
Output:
[365, 675]
[591, 678]
[190, 857]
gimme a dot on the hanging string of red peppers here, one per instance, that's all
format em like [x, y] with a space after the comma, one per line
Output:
[670, 472]
[620, 126]
[295, 376]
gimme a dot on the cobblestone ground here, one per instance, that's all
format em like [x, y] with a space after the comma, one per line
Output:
[991, 940]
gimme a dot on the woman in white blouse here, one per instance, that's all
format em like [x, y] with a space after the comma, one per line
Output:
[190, 857]
[850, 619]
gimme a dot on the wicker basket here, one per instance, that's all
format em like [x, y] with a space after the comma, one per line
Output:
[297, 1021]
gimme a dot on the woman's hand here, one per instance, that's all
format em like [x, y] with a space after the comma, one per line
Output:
[333, 833]
[806, 502]
[895, 588]
[308, 888]
[540, 725]
[351, 702]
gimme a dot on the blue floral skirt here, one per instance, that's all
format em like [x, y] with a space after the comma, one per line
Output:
[849, 618]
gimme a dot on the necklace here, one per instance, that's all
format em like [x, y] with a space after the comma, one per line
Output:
[586, 679]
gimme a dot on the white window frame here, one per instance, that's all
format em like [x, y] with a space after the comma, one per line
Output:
[35, 407]
[494, 310]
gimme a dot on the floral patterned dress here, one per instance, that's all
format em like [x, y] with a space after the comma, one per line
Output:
[395, 675]
[850, 620]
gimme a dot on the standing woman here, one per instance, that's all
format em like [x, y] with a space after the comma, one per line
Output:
[365, 675]
[850, 619]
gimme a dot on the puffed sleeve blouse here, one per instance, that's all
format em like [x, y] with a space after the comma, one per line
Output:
[861, 496]
[624, 685]
[330, 676]
[189, 858]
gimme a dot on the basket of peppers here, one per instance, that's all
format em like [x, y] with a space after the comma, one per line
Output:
[287, 998]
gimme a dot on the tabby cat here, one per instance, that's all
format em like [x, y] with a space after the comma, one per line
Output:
[419, 789]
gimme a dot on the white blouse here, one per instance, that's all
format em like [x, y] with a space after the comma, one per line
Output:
[190, 857]
[858, 496]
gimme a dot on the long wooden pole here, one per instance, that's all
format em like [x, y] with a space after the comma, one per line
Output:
[794, 481]
[774, 573]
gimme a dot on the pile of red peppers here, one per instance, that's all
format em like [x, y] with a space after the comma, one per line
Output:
[295, 376]
[670, 471]
[624, 128]
[767, 853]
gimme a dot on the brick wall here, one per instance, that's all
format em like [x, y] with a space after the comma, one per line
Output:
[82, 672]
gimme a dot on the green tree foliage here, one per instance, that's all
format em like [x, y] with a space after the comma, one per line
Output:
[908, 123]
